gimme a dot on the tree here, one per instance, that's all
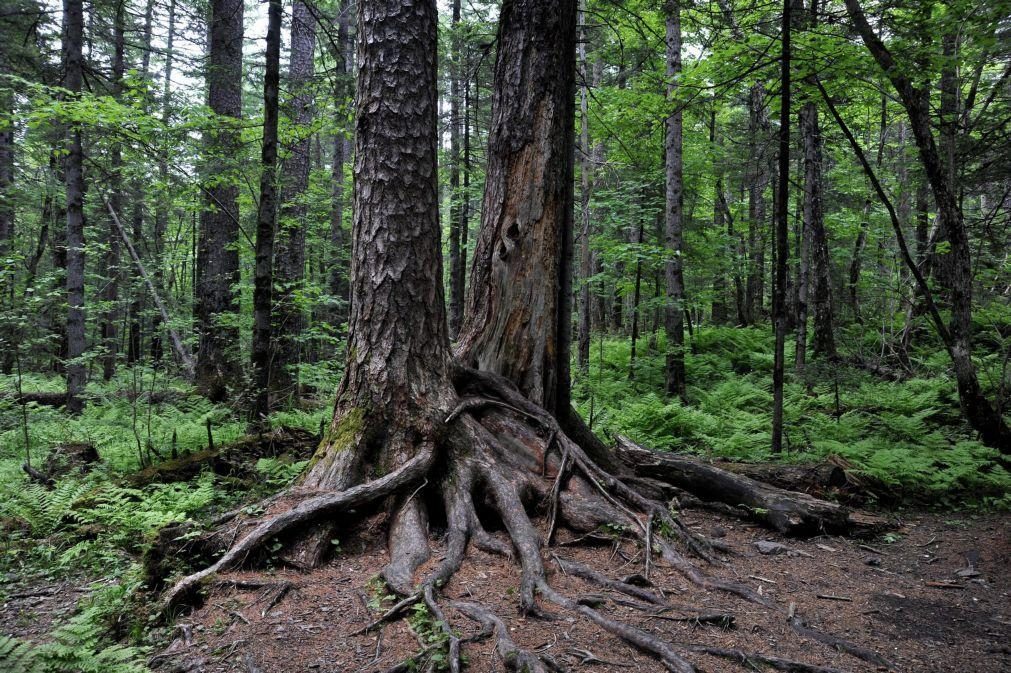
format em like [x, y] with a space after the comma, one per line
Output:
[266, 222]
[782, 248]
[518, 303]
[73, 80]
[289, 256]
[110, 294]
[673, 222]
[217, 264]
[957, 278]
[456, 222]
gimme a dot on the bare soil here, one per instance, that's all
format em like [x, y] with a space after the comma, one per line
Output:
[933, 596]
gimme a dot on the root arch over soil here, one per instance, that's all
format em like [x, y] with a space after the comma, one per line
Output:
[497, 454]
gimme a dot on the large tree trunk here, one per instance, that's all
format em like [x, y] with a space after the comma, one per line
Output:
[782, 247]
[518, 303]
[289, 254]
[674, 369]
[266, 221]
[217, 265]
[397, 370]
[957, 279]
[73, 81]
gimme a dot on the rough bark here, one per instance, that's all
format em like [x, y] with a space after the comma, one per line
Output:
[823, 342]
[397, 371]
[289, 253]
[585, 181]
[217, 264]
[786, 511]
[518, 303]
[674, 368]
[266, 223]
[74, 176]
[978, 410]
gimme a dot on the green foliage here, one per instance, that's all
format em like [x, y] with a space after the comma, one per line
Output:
[908, 435]
[78, 646]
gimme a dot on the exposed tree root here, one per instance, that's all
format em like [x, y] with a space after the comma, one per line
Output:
[502, 454]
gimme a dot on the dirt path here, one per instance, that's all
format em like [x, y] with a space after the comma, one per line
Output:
[935, 597]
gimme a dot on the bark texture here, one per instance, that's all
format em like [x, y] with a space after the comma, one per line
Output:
[518, 304]
[674, 370]
[397, 372]
[289, 252]
[823, 342]
[217, 265]
[73, 63]
[266, 222]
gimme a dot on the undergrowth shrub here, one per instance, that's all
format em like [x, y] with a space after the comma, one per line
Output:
[909, 435]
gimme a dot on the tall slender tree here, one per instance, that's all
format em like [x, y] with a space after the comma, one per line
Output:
[984, 417]
[456, 262]
[266, 221]
[289, 256]
[674, 372]
[73, 80]
[782, 248]
[217, 264]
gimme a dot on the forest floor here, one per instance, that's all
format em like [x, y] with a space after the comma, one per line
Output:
[933, 595]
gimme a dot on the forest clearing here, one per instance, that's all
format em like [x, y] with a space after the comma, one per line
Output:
[405, 335]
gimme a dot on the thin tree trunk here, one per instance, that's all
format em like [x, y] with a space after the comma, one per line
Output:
[782, 248]
[823, 342]
[719, 303]
[456, 290]
[636, 295]
[585, 180]
[73, 81]
[7, 272]
[266, 222]
[981, 414]
[289, 255]
[182, 353]
[110, 291]
[758, 180]
[338, 263]
[674, 370]
[164, 201]
[518, 304]
[217, 265]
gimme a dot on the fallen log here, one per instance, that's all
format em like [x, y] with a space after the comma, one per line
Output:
[811, 478]
[788, 512]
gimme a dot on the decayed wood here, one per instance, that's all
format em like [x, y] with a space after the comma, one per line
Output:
[786, 511]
